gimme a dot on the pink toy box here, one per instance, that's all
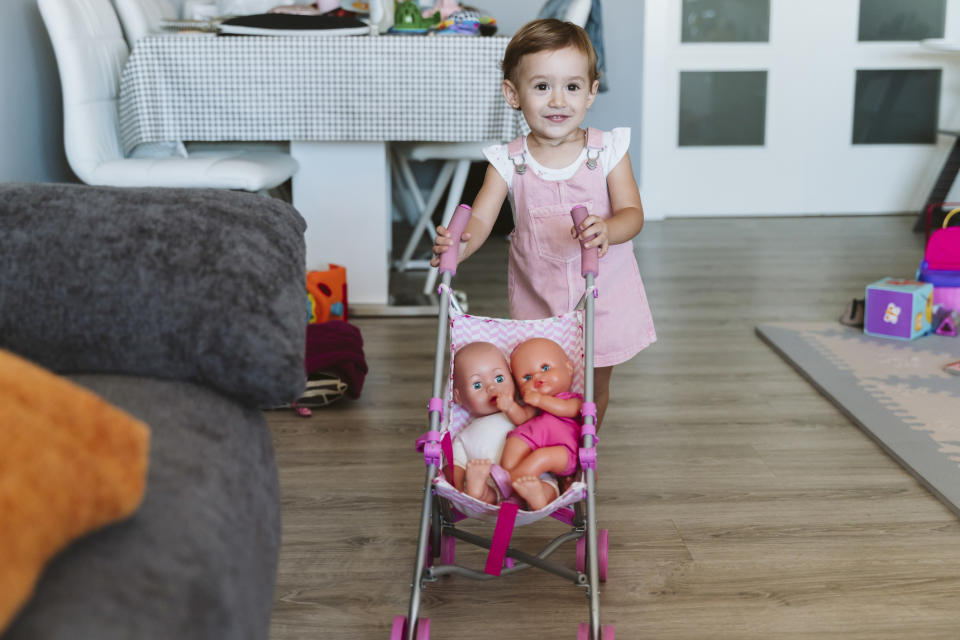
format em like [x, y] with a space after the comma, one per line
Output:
[941, 260]
[898, 308]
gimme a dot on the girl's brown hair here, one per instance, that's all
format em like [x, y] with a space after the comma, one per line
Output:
[547, 34]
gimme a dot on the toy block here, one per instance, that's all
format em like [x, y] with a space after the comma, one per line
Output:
[898, 308]
[949, 324]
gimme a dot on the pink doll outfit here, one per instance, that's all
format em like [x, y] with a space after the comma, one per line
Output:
[548, 430]
[544, 273]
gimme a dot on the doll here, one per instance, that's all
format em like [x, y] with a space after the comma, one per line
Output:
[546, 438]
[481, 383]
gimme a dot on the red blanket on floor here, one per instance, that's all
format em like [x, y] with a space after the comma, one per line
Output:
[336, 346]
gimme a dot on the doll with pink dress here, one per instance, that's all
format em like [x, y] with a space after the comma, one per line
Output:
[546, 439]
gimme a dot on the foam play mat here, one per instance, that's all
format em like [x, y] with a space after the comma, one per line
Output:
[896, 391]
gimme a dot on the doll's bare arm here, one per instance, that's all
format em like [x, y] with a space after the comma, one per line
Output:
[563, 407]
[517, 412]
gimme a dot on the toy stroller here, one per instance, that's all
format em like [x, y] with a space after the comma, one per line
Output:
[444, 506]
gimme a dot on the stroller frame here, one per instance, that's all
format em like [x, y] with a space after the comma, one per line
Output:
[438, 517]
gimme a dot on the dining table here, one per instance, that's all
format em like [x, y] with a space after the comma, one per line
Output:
[339, 101]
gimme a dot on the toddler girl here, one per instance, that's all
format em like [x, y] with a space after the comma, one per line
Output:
[550, 74]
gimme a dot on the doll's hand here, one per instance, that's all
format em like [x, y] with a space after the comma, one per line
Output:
[443, 241]
[505, 402]
[595, 229]
[532, 397]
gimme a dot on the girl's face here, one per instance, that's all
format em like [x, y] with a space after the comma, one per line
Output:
[553, 90]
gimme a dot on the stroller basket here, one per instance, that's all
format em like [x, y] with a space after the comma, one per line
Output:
[444, 506]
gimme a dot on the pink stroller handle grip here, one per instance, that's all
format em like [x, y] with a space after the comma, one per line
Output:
[448, 259]
[589, 258]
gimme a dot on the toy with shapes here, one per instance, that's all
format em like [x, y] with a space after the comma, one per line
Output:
[327, 294]
[898, 308]
[949, 324]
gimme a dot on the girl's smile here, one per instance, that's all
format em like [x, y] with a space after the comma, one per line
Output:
[553, 90]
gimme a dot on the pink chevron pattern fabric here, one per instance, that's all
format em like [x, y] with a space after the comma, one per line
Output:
[566, 330]
[488, 512]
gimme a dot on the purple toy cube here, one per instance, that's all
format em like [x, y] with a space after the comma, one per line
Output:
[898, 308]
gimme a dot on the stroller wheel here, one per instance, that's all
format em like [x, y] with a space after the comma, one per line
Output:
[399, 624]
[603, 549]
[583, 632]
[398, 631]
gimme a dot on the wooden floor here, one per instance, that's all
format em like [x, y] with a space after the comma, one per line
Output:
[741, 503]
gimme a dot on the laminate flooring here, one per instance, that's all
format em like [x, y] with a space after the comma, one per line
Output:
[741, 504]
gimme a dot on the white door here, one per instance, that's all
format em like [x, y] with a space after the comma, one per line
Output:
[780, 107]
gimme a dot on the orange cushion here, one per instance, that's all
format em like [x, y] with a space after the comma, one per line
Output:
[70, 463]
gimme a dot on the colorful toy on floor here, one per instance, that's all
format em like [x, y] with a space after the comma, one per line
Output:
[898, 308]
[941, 261]
[948, 324]
[327, 294]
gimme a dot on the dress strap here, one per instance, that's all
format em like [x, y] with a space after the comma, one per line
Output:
[594, 145]
[515, 153]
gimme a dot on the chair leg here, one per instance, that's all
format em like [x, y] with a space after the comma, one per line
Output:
[426, 211]
[453, 200]
[402, 167]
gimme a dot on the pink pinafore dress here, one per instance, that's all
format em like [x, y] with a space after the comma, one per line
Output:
[544, 274]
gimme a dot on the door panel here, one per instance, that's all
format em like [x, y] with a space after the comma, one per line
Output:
[848, 127]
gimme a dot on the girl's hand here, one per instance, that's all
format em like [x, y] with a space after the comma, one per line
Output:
[443, 241]
[595, 229]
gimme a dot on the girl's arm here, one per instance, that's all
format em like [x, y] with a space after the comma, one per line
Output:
[627, 219]
[563, 407]
[486, 208]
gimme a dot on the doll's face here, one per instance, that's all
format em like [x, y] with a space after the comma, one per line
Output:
[541, 365]
[480, 374]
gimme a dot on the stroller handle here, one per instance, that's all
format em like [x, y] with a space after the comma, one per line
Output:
[448, 259]
[589, 258]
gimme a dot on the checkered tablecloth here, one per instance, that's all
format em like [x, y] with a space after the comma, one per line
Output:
[180, 87]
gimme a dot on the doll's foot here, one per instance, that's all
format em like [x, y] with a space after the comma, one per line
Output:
[537, 494]
[475, 481]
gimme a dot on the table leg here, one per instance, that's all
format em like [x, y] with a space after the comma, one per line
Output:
[342, 190]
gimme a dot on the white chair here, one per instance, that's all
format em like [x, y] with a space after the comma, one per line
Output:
[457, 157]
[143, 17]
[91, 52]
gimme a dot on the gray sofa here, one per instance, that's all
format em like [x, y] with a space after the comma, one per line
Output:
[187, 309]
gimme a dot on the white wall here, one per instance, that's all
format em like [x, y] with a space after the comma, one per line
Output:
[31, 125]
